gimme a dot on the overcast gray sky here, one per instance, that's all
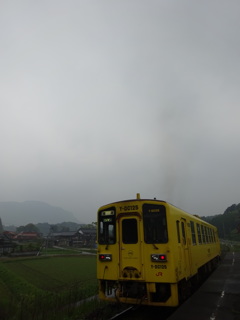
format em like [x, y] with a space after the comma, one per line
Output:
[103, 99]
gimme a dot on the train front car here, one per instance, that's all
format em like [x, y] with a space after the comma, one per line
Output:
[134, 256]
[152, 253]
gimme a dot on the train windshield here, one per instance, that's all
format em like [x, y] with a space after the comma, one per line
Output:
[107, 226]
[155, 223]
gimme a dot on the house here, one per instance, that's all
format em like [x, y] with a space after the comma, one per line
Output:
[82, 237]
[10, 234]
[88, 236]
[27, 236]
[64, 238]
[6, 244]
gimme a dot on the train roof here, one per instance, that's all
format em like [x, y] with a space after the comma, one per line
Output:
[157, 201]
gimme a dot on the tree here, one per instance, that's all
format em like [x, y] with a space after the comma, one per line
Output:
[28, 228]
[228, 223]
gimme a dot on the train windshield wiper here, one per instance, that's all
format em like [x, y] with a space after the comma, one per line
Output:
[107, 244]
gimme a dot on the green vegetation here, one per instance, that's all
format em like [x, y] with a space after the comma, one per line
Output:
[28, 246]
[228, 223]
[232, 246]
[30, 227]
[235, 246]
[46, 287]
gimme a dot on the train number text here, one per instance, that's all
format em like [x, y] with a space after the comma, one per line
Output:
[158, 266]
[128, 208]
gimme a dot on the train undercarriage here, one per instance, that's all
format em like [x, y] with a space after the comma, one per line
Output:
[161, 294]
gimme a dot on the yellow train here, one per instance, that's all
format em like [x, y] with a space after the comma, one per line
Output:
[152, 253]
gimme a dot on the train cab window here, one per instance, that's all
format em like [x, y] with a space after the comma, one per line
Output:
[107, 226]
[193, 233]
[155, 223]
[129, 231]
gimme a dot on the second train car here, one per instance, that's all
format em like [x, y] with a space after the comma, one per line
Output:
[152, 253]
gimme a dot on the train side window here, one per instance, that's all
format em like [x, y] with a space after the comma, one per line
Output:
[178, 231]
[214, 237]
[199, 233]
[183, 233]
[193, 233]
[203, 234]
[206, 233]
[209, 235]
[211, 231]
[129, 231]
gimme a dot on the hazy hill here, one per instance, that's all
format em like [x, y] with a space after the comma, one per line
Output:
[22, 213]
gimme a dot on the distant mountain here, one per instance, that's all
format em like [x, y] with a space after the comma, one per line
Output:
[22, 213]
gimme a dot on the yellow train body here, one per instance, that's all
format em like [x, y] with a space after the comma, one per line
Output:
[152, 253]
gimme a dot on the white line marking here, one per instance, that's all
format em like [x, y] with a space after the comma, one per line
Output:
[213, 316]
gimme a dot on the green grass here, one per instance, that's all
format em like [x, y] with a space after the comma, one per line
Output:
[54, 273]
[39, 287]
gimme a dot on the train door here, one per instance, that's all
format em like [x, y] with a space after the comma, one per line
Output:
[185, 247]
[130, 260]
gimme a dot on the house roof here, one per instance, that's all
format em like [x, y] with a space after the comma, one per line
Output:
[28, 235]
[5, 240]
[4, 237]
[88, 230]
[64, 234]
[9, 233]
[81, 231]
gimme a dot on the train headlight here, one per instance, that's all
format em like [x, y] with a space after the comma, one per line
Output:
[105, 257]
[159, 257]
